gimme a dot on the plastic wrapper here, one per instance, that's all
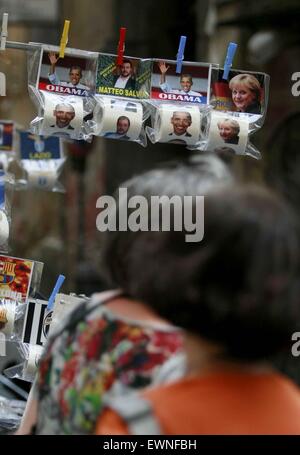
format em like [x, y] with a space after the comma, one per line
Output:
[176, 123]
[42, 174]
[62, 115]
[61, 89]
[12, 315]
[116, 118]
[6, 193]
[7, 143]
[11, 412]
[42, 160]
[26, 370]
[226, 132]
[244, 95]
[64, 304]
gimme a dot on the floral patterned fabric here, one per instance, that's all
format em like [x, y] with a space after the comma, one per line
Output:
[96, 356]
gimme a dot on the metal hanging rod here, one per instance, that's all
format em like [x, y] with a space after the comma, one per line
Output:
[21, 46]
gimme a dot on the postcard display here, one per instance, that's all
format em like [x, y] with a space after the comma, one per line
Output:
[87, 93]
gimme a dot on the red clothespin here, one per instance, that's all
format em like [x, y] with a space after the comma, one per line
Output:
[121, 46]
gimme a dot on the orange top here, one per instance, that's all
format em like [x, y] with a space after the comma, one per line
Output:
[220, 403]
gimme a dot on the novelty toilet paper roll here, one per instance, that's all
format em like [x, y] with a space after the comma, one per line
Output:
[7, 318]
[177, 124]
[31, 364]
[62, 115]
[118, 119]
[4, 228]
[43, 179]
[225, 130]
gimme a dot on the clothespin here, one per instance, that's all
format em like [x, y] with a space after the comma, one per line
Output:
[56, 288]
[64, 39]
[121, 46]
[4, 31]
[180, 54]
[232, 47]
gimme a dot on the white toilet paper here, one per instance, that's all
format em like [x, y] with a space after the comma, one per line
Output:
[62, 114]
[227, 131]
[118, 119]
[4, 228]
[44, 179]
[31, 364]
[177, 124]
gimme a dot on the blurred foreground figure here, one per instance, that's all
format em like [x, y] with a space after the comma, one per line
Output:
[114, 343]
[236, 294]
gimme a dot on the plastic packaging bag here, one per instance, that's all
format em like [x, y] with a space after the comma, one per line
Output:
[64, 304]
[62, 115]
[12, 315]
[244, 95]
[226, 131]
[6, 192]
[26, 370]
[61, 89]
[117, 118]
[176, 123]
[42, 160]
[11, 412]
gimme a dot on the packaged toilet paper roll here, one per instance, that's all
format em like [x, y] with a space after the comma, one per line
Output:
[225, 130]
[62, 115]
[43, 178]
[4, 228]
[118, 119]
[31, 363]
[176, 124]
[7, 318]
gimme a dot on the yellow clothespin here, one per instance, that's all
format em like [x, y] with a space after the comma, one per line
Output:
[4, 31]
[64, 39]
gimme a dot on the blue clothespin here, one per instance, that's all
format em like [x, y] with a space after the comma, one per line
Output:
[180, 55]
[229, 59]
[56, 288]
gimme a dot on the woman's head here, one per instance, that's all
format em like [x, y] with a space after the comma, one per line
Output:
[196, 176]
[246, 91]
[235, 288]
[228, 129]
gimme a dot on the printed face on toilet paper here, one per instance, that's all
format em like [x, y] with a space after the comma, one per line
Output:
[228, 131]
[119, 119]
[177, 124]
[62, 115]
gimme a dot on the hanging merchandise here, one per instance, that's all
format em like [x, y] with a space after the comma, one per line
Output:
[116, 118]
[129, 79]
[175, 124]
[6, 187]
[61, 89]
[26, 370]
[200, 105]
[15, 278]
[7, 143]
[244, 94]
[118, 113]
[12, 319]
[225, 131]
[42, 160]
[178, 102]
